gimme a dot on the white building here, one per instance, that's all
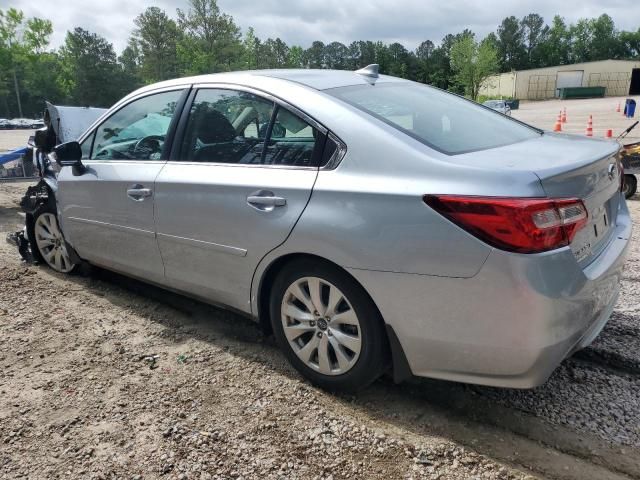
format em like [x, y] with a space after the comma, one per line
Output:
[619, 77]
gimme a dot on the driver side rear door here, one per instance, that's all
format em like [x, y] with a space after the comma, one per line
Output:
[108, 210]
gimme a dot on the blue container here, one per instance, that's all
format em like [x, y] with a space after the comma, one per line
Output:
[629, 108]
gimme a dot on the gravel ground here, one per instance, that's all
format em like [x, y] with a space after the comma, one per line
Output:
[104, 377]
[604, 378]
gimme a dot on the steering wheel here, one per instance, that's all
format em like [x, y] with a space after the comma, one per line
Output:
[148, 145]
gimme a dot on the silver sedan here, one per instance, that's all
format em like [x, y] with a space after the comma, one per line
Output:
[371, 223]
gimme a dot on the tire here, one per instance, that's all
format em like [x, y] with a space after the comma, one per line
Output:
[630, 186]
[350, 333]
[47, 242]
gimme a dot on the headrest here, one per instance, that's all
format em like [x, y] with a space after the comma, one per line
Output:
[211, 126]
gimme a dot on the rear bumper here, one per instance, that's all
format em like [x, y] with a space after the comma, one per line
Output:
[512, 323]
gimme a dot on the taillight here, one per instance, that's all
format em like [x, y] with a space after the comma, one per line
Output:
[523, 225]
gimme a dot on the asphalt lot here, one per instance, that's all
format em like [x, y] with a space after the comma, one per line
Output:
[543, 115]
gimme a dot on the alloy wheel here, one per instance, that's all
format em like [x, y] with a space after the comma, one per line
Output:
[51, 244]
[321, 326]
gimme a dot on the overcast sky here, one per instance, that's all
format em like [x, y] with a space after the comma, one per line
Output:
[302, 21]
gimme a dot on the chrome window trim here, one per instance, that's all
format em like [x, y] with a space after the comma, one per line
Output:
[240, 165]
[89, 161]
[338, 155]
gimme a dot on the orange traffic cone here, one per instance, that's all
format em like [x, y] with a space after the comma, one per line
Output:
[589, 131]
[618, 108]
[564, 115]
[609, 134]
[558, 126]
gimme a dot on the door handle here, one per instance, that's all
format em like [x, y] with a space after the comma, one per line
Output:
[265, 200]
[138, 192]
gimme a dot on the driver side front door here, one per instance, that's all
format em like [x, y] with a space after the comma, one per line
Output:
[108, 210]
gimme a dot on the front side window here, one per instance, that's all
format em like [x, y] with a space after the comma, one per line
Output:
[85, 146]
[138, 130]
[227, 126]
[443, 121]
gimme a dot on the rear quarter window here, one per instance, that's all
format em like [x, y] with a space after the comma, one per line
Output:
[443, 121]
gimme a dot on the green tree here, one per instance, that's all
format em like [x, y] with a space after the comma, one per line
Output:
[211, 39]
[296, 57]
[511, 47]
[27, 70]
[630, 44]
[91, 74]
[473, 63]
[555, 47]
[581, 37]
[605, 39]
[37, 34]
[156, 37]
[13, 52]
[251, 49]
[336, 56]
[314, 55]
[534, 32]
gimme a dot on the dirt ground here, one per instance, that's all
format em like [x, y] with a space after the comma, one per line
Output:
[105, 377]
[12, 139]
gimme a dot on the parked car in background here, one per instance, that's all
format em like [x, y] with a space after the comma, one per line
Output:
[19, 123]
[499, 106]
[4, 124]
[370, 222]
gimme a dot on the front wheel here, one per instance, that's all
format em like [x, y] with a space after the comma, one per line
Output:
[630, 185]
[48, 244]
[327, 326]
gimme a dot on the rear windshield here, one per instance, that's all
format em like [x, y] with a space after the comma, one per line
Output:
[445, 122]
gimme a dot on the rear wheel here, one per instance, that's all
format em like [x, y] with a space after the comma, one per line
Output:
[328, 327]
[630, 186]
[48, 244]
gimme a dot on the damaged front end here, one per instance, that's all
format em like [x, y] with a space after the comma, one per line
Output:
[35, 196]
[62, 124]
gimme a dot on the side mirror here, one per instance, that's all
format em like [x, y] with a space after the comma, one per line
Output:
[68, 154]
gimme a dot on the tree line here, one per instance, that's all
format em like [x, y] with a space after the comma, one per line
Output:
[86, 70]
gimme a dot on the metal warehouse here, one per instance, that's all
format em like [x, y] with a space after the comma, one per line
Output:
[618, 77]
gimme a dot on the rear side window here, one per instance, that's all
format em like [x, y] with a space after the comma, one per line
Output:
[227, 126]
[443, 121]
[292, 141]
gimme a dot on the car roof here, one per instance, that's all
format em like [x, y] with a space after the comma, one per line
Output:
[325, 79]
[313, 78]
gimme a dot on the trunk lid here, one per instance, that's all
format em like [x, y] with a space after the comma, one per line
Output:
[567, 166]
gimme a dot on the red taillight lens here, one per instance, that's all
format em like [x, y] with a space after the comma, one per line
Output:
[523, 225]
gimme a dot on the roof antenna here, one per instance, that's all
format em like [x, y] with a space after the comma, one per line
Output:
[369, 70]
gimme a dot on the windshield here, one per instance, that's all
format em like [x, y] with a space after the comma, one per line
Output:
[494, 104]
[443, 121]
